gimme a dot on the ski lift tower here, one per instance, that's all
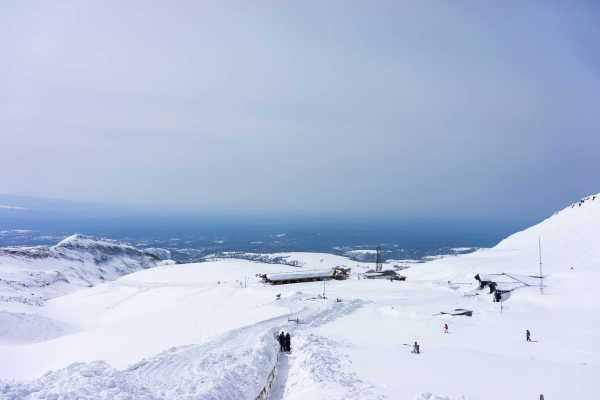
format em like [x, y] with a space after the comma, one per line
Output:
[379, 263]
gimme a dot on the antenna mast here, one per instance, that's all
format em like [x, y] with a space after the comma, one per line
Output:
[379, 263]
[540, 256]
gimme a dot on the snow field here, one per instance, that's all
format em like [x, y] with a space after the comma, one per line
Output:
[193, 332]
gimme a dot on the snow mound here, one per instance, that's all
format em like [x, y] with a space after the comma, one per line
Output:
[233, 367]
[95, 380]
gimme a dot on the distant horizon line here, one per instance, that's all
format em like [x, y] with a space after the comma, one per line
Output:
[133, 210]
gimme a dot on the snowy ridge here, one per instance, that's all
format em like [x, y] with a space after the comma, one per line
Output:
[32, 275]
[568, 238]
[581, 201]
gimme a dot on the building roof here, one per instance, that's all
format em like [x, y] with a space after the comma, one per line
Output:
[300, 275]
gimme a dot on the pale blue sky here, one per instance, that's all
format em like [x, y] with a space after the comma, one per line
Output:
[322, 108]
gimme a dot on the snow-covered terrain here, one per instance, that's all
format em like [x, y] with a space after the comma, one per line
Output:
[206, 331]
[32, 275]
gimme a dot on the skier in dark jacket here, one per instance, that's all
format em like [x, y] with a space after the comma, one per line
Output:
[528, 335]
[288, 342]
[497, 296]
[416, 348]
[282, 341]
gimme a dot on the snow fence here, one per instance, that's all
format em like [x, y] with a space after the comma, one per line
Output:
[266, 390]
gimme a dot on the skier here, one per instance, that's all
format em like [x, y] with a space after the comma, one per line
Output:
[416, 348]
[445, 328]
[288, 343]
[282, 341]
[528, 335]
[497, 296]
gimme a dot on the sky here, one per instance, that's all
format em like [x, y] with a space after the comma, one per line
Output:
[374, 109]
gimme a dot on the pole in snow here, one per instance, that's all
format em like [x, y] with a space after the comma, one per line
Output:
[540, 256]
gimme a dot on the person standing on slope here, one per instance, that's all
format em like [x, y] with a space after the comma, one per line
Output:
[528, 335]
[282, 341]
[445, 328]
[416, 348]
[288, 342]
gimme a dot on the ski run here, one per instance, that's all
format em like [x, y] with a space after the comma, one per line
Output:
[208, 330]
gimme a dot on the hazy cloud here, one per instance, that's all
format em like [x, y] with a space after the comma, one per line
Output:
[387, 108]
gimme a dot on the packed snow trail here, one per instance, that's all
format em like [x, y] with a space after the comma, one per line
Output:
[235, 366]
[283, 370]
[316, 367]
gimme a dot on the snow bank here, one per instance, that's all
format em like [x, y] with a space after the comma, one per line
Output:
[89, 381]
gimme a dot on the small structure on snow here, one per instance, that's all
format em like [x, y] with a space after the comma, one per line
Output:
[387, 274]
[501, 285]
[458, 312]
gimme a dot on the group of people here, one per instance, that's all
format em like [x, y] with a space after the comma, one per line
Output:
[285, 343]
[416, 349]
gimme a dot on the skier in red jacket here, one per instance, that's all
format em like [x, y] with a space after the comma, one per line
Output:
[445, 328]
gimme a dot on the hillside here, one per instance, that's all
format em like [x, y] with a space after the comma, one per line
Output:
[32, 275]
[570, 249]
[206, 331]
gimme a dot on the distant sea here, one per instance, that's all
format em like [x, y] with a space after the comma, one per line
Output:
[30, 221]
[191, 239]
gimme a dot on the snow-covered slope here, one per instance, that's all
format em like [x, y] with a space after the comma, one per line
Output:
[570, 246]
[571, 237]
[32, 275]
[205, 331]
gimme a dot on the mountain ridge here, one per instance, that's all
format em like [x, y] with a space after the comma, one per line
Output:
[31, 275]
